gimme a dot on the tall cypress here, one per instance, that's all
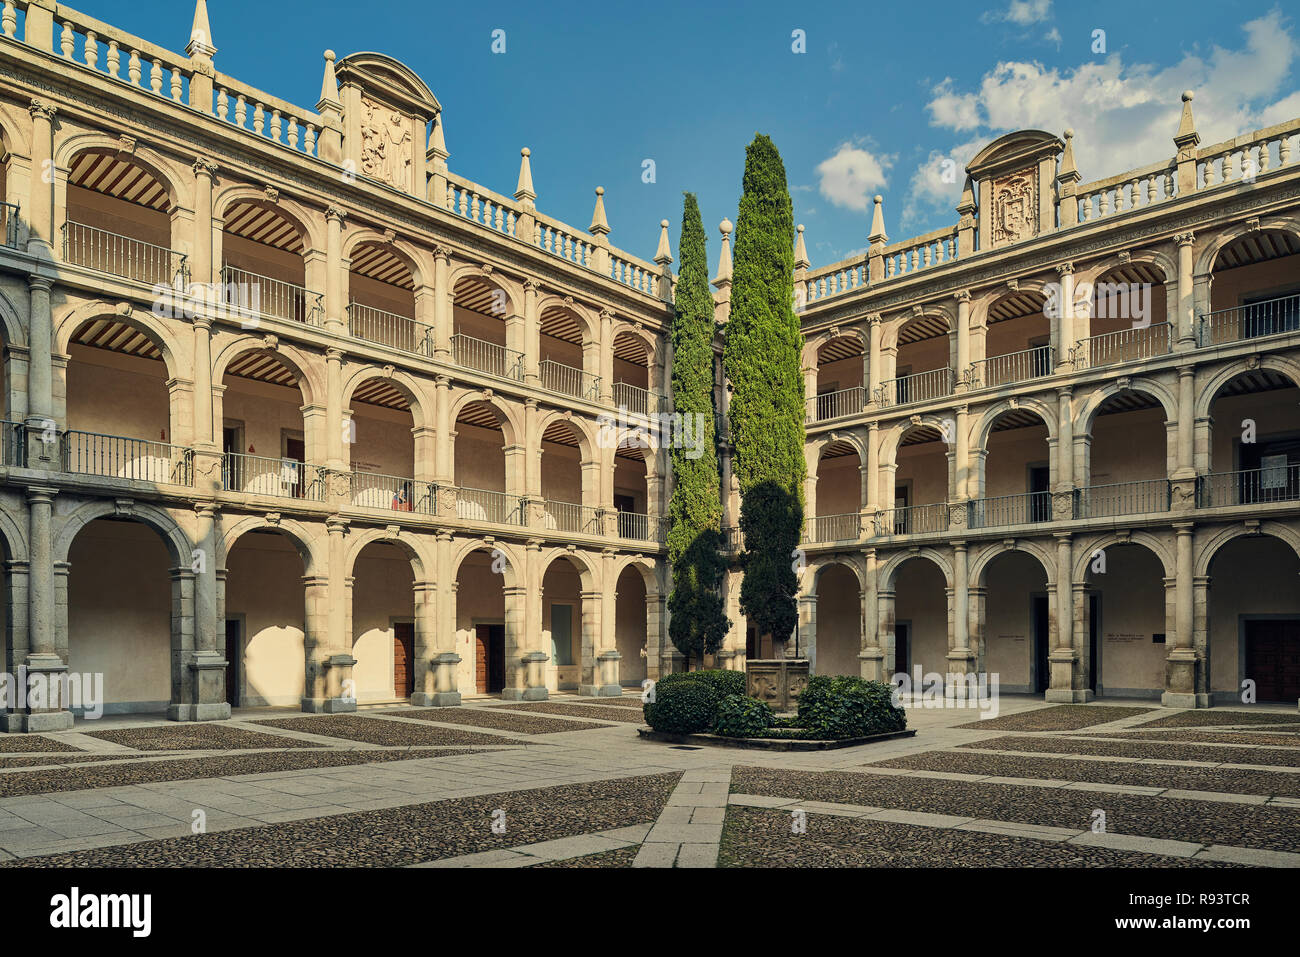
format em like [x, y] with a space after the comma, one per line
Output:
[762, 361]
[698, 622]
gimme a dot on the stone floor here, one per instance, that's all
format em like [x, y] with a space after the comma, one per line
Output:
[499, 785]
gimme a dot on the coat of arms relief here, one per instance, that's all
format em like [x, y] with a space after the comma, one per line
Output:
[1015, 207]
[386, 145]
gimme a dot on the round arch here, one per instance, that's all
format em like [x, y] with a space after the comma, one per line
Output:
[889, 570]
[493, 277]
[1207, 549]
[298, 535]
[11, 327]
[302, 365]
[893, 438]
[624, 328]
[1084, 553]
[1087, 414]
[414, 553]
[179, 547]
[466, 547]
[894, 325]
[509, 425]
[588, 571]
[399, 380]
[1209, 255]
[587, 443]
[408, 254]
[984, 427]
[307, 223]
[1209, 391]
[994, 550]
[173, 179]
[174, 355]
[581, 313]
[648, 574]
[815, 570]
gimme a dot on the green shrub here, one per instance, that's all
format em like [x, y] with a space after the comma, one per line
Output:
[842, 706]
[723, 681]
[684, 707]
[740, 716]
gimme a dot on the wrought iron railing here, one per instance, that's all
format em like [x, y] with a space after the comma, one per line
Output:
[118, 255]
[832, 405]
[283, 478]
[1267, 318]
[136, 460]
[389, 329]
[913, 520]
[1122, 498]
[842, 527]
[1125, 345]
[1021, 509]
[486, 505]
[1013, 367]
[13, 443]
[635, 399]
[9, 224]
[917, 387]
[1279, 483]
[482, 356]
[393, 492]
[258, 295]
[634, 525]
[569, 517]
[558, 377]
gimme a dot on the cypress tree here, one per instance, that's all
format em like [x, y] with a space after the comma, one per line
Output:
[763, 363]
[698, 622]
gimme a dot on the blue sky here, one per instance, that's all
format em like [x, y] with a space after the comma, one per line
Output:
[884, 93]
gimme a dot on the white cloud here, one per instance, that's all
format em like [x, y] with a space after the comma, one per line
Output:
[1021, 12]
[1053, 36]
[1123, 115]
[851, 175]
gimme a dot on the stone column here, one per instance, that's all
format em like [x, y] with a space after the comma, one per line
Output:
[1182, 669]
[444, 471]
[207, 662]
[961, 454]
[40, 207]
[1185, 317]
[1062, 659]
[42, 427]
[806, 631]
[872, 655]
[532, 333]
[43, 656]
[1082, 627]
[976, 617]
[201, 260]
[335, 292]
[871, 479]
[885, 620]
[874, 378]
[606, 361]
[443, 304]
[1065, 317]
[592, 627]
[963, 340]
[961, 661]
[607, 654]
[339, 691]
[334, 412]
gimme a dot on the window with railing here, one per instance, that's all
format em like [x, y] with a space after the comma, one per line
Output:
[570, 517]
[832, 405]
[1013, 367]
[634, 525]
[136, 460]
[259, 295]
[488, 357]
[636, 400]
[916, 387]
[1122, 498]
[1278, 482]
[393, 492]
[118, 255]
[486, 505]
[1021, 509]
[568, 380]
[262, 475]
[1124, 345]
[389, 329]
[1252, 319]
[913, 520]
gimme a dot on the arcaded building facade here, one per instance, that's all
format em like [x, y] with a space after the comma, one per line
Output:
[296, 416]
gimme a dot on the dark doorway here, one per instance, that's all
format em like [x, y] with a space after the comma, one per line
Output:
[403, 659]
[1039, 618]
[233, 649]
[295, 453]
[903, 647]
[1273, 658]
[1094, 628]
[1040, 498]
[490, 658]
[232, 444]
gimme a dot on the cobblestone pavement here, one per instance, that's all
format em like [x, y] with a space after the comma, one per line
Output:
[576, 787]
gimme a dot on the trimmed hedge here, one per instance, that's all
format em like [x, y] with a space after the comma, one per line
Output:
[739, 716]
[843, 706]
[721, 680]
[683, 707]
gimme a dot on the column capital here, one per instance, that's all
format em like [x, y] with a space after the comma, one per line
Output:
[962, 295]
[38, 282]
[335, 214]
[441, 253]
[203, 166]
[1065, 269]
[39, 494]
[1185, 238]
[41, 108]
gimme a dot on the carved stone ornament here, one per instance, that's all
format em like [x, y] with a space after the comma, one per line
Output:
[385, 145]
[1015, 207]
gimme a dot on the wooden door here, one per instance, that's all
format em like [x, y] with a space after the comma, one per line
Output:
[295, 450]
[403, 659]
[1042, 665]
[489, 658]
[232, 661]
[1273, 658]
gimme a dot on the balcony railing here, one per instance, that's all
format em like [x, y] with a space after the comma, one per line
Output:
[832, 405]
[1013, 367]
[1022, 509]
[123, 256]
[1280, 483]
[635, 399]
[1124, 498]
[273, 298]
[13, 443]
[917, 387]
[913, 520]
[482, 356]
[568, 517]
[393, 492]
[486, 505]
[389, 329]
[558, 377]
[1126, 345]
[283, 478]
[1267, 318]
[635, 526]
[842, 527]
[136, 460]
[9, 224]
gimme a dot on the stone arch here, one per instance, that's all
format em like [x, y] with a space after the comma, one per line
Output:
[589, 324]
[493, 277]
[895, 324]
[511, 572]
[588, 446]
[308, 223]
[410, 256]
[1209, 391]
[309, 546]
[889, 569]
[852, 563]
[175, 356]
[1210, 547]
[853, 438]
[623, 327]
[1209, 255]
[421, 564]
[404, 383]
[179, 547]
[812, 347]
[13, 538]
[11, 327]
[1162, 550]
[653, 588]
[588, 571]
[984, 427]
[994, 550]
[162, 169]
[1087, 414]
[893, 437]
[1166, 263]
[305, 366]
[510, 427]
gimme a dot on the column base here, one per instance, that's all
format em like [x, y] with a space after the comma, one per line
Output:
[600, 691]
[329, 705]
[436, 699]
[525, 694]
[198, 712]
[1184, 699]
[39, 721]
[1069, 695]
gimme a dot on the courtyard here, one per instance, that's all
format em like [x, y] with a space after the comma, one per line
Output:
[568, 783]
